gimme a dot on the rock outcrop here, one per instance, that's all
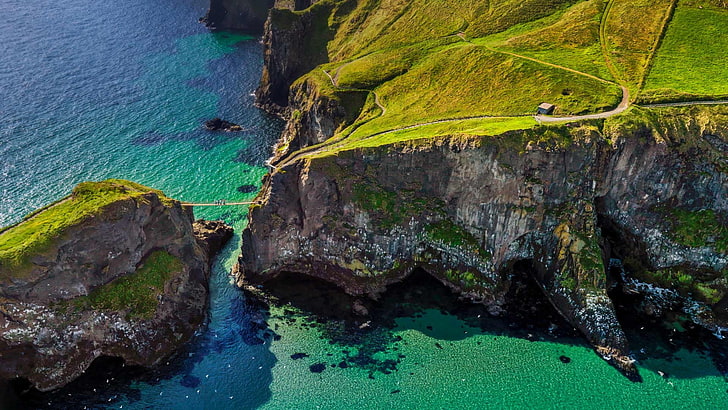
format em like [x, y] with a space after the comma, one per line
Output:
[243, 15]
[561, 201]
[246, 15]
[218, 124]
[128, 278]
[294, 44]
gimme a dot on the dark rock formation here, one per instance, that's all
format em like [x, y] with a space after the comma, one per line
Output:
[212, 235]
[468, 209]
[79, 299]
[243, 15]
[246, 15]
[293, 45]
[218, 124]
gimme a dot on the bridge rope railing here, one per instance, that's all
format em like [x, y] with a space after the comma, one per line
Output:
[220, 202]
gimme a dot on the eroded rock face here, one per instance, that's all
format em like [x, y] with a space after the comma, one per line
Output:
[467, 209]
[293, 44]
[243, 15]
[246, 15]
[55, 320]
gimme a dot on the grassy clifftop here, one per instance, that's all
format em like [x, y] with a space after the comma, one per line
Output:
[484, 66]
[36, 232]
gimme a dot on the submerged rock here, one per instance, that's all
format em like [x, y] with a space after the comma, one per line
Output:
[247, 189]
[218, 124]
[127, 278]
[317, 368]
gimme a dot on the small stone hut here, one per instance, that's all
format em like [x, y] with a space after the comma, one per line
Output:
[545, 109]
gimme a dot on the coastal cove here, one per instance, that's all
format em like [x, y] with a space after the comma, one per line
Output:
[122, 90]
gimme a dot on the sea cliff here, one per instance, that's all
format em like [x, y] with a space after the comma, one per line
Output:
[634, 204]
[115, 269]
[246, 15]
[561, 205]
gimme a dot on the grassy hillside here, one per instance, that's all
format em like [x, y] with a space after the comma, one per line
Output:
[691, 64]
[630, 33]
[569, 37]
[38, 230]
[434, 66]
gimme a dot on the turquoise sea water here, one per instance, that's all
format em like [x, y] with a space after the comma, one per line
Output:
[94, 90]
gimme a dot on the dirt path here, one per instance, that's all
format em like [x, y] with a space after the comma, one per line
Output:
[535, 60]
[623, 105]
[603, 39]
[335, 83]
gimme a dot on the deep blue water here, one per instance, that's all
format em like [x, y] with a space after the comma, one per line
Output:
[93, 90]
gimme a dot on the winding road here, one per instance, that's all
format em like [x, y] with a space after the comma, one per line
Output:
[623, 105]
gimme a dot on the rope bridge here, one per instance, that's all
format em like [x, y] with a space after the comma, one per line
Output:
[218, 203]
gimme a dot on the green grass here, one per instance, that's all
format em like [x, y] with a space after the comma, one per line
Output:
[136, 292]
[569, 37]
[699, 228]
[466, 80]
[632, 30]
[38, 230]
[691, 62]
[476, 127]
[451, 234]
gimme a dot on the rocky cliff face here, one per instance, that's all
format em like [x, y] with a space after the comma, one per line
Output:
[293, 45]
[243, 15]
[128, 281]
[565, 205]
[246, 15]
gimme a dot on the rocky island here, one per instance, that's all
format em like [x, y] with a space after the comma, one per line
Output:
[411, 143]
[115, 269]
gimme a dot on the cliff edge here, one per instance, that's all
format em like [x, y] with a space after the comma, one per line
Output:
[115, 269]
[583, 210]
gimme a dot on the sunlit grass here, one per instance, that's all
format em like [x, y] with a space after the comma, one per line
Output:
[37, 231]
[692, 58]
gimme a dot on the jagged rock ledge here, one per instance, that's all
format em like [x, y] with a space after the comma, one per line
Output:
[126, 275]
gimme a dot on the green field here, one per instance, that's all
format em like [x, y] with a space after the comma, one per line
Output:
[472, 127]
[691, 62]
[37, 231]
[569, 37]
[438, 61]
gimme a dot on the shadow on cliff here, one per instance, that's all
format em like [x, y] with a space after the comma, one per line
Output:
[663, 344]
[670, 345]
